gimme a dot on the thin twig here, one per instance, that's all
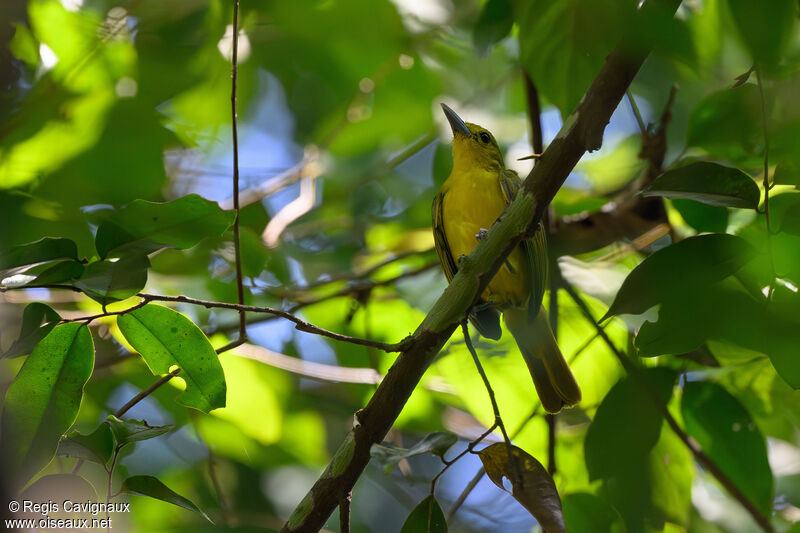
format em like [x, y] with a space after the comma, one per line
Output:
[344, 513]
[636, 113]
[450, 462]
[235, 130]
[497, 419]
[693, 447]
[145, 393]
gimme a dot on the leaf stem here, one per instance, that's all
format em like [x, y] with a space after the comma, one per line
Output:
[235, 131]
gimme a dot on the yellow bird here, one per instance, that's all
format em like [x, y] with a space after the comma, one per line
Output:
[470, 201]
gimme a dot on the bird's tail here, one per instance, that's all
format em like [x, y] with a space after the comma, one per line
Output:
[552, 378]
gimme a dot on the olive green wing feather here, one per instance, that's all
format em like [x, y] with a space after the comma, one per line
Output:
[485, 319]
[534, 249]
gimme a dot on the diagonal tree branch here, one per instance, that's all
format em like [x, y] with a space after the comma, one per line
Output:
[582, 131]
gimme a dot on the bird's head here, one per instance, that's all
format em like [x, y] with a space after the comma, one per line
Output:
[473, 145]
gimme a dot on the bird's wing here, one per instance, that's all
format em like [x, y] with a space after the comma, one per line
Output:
[535, 248]
[485, 319]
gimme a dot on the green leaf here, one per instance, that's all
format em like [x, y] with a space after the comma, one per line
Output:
[18, 259]
[427, 517]
[727, 124]
[709, 183]
[153, 488]
[702, 217]
[786, 173]
[587, 513]
[143, 227]
[791, 219]
[59, 273]
[765, 27]
[38, 320]
[728, 434]
[254, 253]
[165, 338]
[112, 281]
[536, 492]
[494, 23]
[43, 400]
[126, 431]
[435, 443]
[627, 424]
[96, 446]
[680, 269]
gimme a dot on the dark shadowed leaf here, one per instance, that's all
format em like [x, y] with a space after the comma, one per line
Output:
[627, 423]
[787, 173]
[434, 443]
[727, 433]
[38, 320]
[112, 281]
[427, 517]
[538, 492]
[43, 400]
[587, 513]
[702, 217]
[153, 488]
[166, 338]
[20, 258]
[709, 183]
[765, 27]
[493, 24]
[144, 227]
[126, 431]
[96, 446]
[791, 219]
[680, 268]
[59, 273]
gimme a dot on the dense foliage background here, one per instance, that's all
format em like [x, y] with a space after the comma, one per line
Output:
[108, 106]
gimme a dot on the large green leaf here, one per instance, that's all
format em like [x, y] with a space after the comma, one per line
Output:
[536, 490]
[587, 513]
[153, 488]
[43, 400]
[427, 517]
[766, 27]
[702, 217]
[434, 443]
[678, 269]
[147, 226]
[38, 320]
[97, 446]
[60, 272]
[112, 281]
[494, 23]
[20, 258]
[728, 434]
[166, 338]
[627, 424]
[709, 183]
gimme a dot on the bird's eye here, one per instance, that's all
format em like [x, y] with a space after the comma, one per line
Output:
[485, 137]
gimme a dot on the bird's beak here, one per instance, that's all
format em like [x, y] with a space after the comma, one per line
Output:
[456, 124]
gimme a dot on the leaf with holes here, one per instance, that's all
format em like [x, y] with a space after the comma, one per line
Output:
[427, 517]
[709, 183]
[166, 338]
[38, 320]
[43, 400]
[153, 488]
[536, 492]
[143, 227]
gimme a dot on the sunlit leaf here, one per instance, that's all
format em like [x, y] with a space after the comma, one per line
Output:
[427, 517]
[680, 268]
[709, 183]
[434, 443]
[493, 24]
[97, 446]
[535, 490]
[728, 434]
[153, 488]
[38, 320]
[43, 400]
[112, 281]
[20, 258]
[126, 431]
[143, 227]
[165, 338]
